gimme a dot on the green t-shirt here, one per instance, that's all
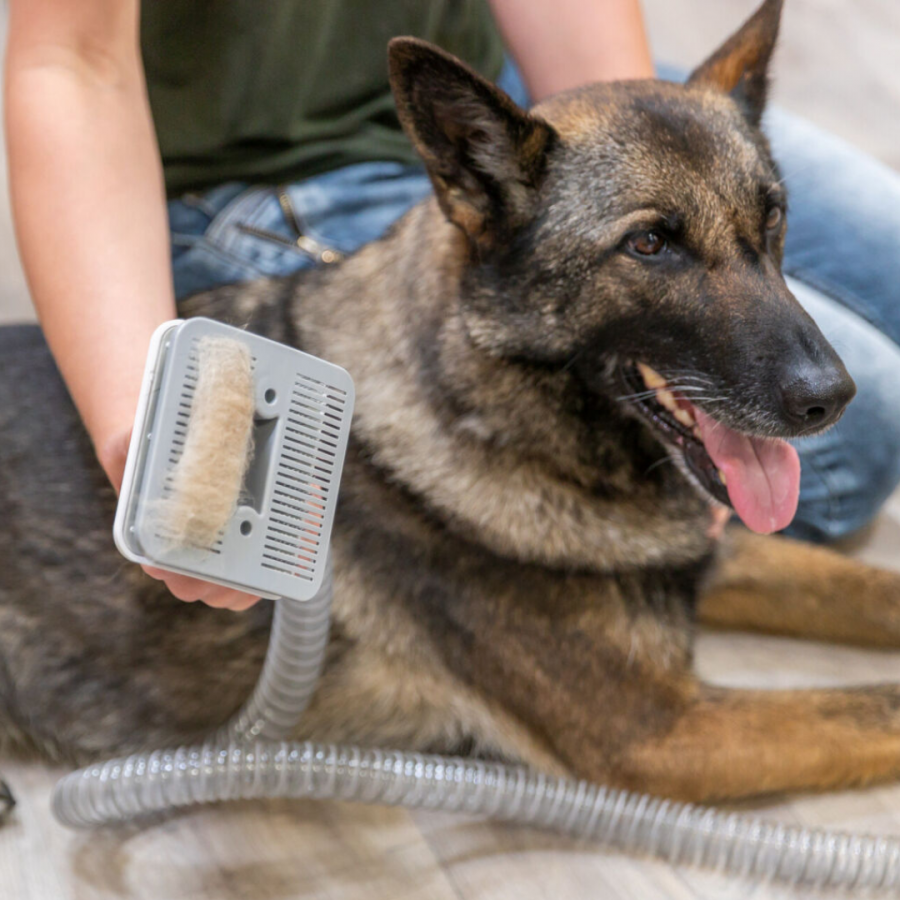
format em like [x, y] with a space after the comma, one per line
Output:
[269, 91]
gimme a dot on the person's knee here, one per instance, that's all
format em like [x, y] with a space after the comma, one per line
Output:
[849, 472]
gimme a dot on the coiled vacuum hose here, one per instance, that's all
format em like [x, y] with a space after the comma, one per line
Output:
[251, 758]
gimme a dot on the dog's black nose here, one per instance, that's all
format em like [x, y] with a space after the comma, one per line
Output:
[813, 396]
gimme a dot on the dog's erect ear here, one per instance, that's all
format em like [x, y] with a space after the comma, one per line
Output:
[740, 66]
[484, 154]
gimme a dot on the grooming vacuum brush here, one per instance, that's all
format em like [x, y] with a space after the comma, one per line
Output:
[235, 460]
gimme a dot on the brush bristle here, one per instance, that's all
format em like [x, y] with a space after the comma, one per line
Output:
[207, 479]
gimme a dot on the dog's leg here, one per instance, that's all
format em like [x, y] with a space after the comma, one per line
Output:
[729, 744]
[782, 586]
[616, 704]
[599, 670]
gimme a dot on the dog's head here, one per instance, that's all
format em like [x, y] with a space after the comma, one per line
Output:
[633, 232]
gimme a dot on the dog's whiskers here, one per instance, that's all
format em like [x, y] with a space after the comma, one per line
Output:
[660, 462]
[642, 395]
[794, 174]
[699, 398]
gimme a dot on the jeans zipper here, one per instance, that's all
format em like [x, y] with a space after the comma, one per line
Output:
[301, 242]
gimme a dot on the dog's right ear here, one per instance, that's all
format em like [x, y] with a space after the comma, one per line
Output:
[485, 156]
[740, 67]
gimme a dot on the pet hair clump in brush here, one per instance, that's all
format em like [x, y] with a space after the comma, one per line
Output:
[207, 479]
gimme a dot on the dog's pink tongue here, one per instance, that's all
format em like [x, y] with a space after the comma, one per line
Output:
[762, 476]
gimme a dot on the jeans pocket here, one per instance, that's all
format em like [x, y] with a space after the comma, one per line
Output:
[261, 229]
[219, 253]
[350, 207]
[182, 243]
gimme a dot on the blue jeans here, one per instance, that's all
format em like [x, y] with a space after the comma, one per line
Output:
[842, 261]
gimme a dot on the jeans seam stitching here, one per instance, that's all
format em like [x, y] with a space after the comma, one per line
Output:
[228, 257]
[228, 220]
[227, 217]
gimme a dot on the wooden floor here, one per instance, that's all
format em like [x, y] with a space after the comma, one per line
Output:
[838, 64]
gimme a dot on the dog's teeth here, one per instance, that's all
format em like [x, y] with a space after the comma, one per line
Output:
[667, 399]
[722, 477]
[684, 416]
[651, 377]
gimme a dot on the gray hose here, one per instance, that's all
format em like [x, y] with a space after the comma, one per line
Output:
[291, 671]
[237, 764]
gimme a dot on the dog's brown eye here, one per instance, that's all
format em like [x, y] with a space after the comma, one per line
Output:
[773, 219]
[648, 243]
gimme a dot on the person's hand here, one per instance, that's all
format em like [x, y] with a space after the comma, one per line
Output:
[112, 457]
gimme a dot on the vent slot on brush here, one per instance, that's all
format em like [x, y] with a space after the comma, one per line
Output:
[304, 478]
[183, 416]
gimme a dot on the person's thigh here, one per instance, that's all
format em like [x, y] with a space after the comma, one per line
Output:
[197, 262]
[849, 471]
[842, 255]
[350, 207]
[843, 233]
[238, 233]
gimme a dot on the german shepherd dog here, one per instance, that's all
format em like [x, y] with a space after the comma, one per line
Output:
[593, 289]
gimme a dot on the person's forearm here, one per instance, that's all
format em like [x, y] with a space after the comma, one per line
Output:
[561, 44]
[89, 209]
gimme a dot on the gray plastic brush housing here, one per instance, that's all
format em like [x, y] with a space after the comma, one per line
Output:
[276, 543]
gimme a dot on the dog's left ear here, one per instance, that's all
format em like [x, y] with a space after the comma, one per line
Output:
[740, 66]
[485, 156]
